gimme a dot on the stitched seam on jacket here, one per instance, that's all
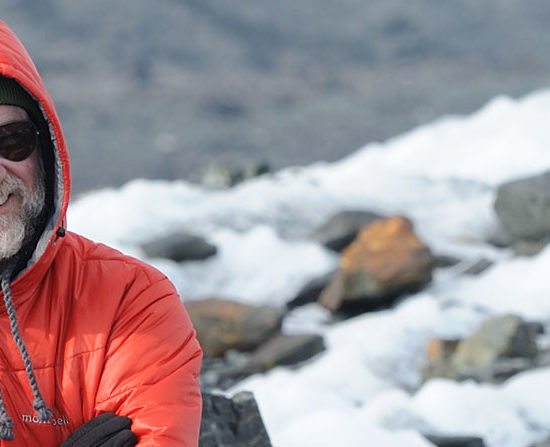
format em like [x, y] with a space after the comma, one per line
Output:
[53, 365]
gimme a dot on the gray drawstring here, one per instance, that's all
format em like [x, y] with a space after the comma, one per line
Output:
[44, 413]
[6, 424]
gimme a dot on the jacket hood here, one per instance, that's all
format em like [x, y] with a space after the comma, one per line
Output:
[16, 63]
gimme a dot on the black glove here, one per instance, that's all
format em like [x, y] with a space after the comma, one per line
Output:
[105, 430]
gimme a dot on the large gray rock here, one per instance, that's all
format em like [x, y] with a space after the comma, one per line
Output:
[523, 207]
[501, 347]
[234, 422]
[284, 350]
[342, 228]
[507, 336]
[179, 246]
[222, 372]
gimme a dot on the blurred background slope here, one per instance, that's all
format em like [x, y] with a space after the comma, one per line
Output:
[162, 89]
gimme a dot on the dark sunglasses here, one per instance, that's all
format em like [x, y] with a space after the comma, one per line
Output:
[18, 140]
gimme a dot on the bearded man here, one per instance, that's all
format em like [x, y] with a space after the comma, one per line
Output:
[96, 348]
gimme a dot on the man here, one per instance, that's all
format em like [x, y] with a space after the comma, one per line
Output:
[96, 348]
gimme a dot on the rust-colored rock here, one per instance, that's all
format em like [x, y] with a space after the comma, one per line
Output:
[386, 260]
[438, 358]
[438, 349]
[222, 325]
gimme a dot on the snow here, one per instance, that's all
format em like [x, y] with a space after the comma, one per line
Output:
[366, 389]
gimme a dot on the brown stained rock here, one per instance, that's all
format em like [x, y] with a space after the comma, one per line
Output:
[386, 259]
[438, 358]
[222, 325]
[438, 349]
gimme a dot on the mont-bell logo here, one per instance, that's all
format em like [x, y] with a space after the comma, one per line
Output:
[33, 419]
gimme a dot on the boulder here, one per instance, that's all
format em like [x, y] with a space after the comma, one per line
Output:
[179, 246]
[342, 228]
[501, 347]
[284, 350]
[223, 372]
[232, 422]
[501, 337]
[523, 207]
[386, 260]
[222, 325]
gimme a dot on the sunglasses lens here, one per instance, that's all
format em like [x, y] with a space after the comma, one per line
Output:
[18, 140]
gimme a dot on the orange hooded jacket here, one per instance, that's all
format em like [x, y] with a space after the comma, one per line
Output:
[104, 332]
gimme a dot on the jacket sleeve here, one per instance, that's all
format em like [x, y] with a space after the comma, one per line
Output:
[152, 365]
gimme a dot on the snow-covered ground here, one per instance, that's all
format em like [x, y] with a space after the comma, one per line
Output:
[365, 389]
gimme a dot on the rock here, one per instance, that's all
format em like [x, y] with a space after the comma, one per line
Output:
[523, 207]
[543, 359]
[438, 359]
[478, 267]
[224, 175]
[221, 373]
[284, 350]
[342, 228]
[500, 337]
[500, 238]
[455, 441]
[501, 347]
[181, 246]
[311, 291]
[475, 267]
[222, 325]
[529, 248]
[443, 261]
[386, 260]
[232, 422]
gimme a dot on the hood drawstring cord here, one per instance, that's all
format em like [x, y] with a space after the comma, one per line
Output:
[44, 413]
[6, 424]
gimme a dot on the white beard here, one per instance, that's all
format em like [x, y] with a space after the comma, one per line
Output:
[14, 229]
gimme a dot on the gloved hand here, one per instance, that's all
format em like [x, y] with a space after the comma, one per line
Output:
[105, 430]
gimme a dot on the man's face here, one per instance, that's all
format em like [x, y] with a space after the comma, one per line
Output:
[22, 195]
